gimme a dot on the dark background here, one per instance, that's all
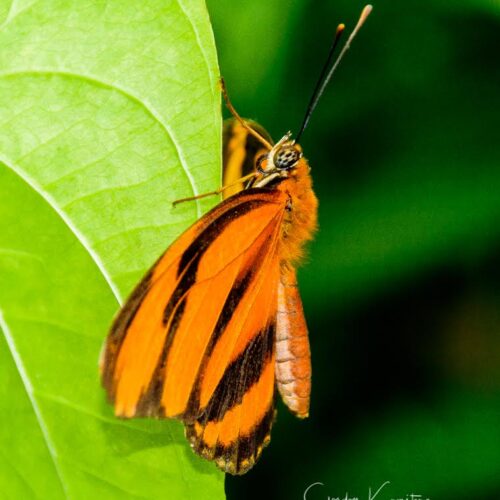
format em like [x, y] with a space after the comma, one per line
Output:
[401, 290]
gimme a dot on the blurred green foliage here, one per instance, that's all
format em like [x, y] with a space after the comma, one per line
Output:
[401, 291]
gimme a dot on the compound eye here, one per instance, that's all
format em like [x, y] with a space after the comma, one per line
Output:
[287, 157]
[261, 163]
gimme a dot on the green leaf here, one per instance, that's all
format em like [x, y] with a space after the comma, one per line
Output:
[108, 113]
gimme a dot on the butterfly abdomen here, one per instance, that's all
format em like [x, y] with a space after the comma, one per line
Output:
[293, 360]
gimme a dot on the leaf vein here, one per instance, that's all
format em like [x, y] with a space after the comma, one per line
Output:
[69, 223]
[127, 93]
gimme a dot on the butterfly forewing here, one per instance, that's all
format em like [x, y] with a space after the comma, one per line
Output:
[185, 331]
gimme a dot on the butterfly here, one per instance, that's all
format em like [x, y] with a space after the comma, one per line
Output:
[216, 328]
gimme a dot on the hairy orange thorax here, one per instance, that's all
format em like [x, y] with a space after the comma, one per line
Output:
[301, 215]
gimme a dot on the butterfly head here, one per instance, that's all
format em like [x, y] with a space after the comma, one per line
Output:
[283, 157]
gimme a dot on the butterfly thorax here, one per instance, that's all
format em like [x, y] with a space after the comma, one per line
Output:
[300, 222]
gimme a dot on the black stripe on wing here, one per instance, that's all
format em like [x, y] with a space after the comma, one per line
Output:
[241, 375]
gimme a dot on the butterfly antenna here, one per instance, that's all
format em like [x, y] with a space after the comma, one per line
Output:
[311, 105]
[243, 123]
[326, 75]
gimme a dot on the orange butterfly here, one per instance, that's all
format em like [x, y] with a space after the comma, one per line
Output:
[217, 323]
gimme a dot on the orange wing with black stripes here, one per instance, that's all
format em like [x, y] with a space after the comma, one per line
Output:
[196, 338]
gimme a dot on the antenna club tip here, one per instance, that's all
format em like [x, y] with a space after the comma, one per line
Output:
[340, 28]
[366, 11]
